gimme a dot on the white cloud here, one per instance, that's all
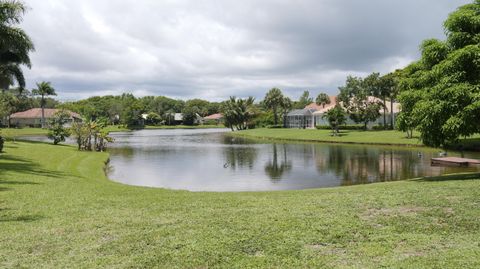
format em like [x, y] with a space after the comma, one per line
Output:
[214, 49]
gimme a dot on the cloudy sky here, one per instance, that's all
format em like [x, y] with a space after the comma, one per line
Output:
[213, 49]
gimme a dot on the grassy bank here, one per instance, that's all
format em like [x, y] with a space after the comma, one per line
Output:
[184, 127]
[346, 136]
[57, 209]
[11, 133]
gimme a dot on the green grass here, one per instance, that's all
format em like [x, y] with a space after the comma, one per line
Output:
[57, 209]
[346, 136]
[10, 133]
[387, 137]
[116, 128]
[184, 126]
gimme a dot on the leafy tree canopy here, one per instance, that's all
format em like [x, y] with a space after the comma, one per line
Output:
[440, 92]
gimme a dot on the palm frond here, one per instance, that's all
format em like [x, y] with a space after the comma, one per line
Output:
[11, 11]
[10, 73]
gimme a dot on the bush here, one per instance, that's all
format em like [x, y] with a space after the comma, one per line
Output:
[153, 119]
[264, 119]
[2, 141]
[278, 126]
[211, 122]
[381, 127]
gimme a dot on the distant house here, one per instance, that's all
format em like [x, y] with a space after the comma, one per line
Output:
[178, 119]
[312, 115]
[217, 118]
[33, 117]
[300, 118]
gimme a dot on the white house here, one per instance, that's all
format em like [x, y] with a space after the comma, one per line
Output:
[312, 115]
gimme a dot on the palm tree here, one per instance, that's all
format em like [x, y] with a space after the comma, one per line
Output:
[239, 112]
[15, 44]
[323, 99]
[274, 100]
[44, 89]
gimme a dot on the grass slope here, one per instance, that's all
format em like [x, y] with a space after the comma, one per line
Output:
[57, 209]
[346, 136]
[11, 133]
[185, 126]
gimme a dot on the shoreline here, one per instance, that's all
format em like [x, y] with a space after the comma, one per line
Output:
[349, 137]
[316, 141]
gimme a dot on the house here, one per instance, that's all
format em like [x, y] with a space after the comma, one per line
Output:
[312, 115]
[33, 117]
[217, 118]
[177, 119]
[300, 118]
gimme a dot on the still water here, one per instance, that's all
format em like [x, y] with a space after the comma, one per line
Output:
[210, 160]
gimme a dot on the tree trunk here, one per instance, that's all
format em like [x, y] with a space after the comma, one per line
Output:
[384, 112]
[43, 112]
[275, 116]
[391, 114]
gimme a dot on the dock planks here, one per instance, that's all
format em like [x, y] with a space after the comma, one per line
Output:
[454, 161]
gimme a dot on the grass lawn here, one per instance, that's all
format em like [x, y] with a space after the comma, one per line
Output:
[57, 209]
[184, 126]
[346, 136]
[10, 133]
[351, 136]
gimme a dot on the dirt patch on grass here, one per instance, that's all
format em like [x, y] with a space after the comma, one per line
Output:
[404, 211]
[326, 249]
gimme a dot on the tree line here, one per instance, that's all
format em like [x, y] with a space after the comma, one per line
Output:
[439, 93]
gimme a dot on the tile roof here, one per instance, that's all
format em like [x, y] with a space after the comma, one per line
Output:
[321, 109]
[216, 116]
[37, 113]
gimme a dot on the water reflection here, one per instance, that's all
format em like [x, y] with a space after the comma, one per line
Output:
[275, 167]
[239, 157]
[208, 160]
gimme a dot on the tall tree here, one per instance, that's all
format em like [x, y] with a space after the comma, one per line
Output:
[358, 102]
[304, 100]
[15, 44]
[446, 81]
[389, 89]
[44, 89]
[239, 112]
[287, 105]
[373, 86]
[323, 99]
[274, 100]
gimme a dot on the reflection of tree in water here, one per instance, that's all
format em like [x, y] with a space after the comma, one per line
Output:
[125, 152]
[274, 168]
[366, 164]
[239, 157]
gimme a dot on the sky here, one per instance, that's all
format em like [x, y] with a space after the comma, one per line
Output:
[215, 49]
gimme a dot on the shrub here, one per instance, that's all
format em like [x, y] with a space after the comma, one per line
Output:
[278, 126]
[57, 132]
[153, 119]
[381, 127]
[264, 119]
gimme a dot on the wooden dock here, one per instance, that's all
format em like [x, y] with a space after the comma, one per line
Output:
[454, 161]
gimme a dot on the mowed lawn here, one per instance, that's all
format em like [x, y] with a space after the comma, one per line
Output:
[346, 136]
[375, 137]
[11, 133]
[57, 209]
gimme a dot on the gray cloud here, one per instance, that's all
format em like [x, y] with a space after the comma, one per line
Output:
[214, 49]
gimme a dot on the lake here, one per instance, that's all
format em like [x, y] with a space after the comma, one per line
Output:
[212, 160]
